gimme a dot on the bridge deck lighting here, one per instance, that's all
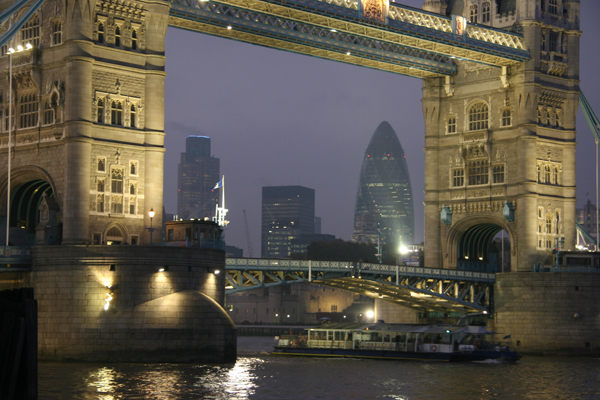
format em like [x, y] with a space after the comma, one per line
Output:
[217, 272]
[228, 26]
[348, 53]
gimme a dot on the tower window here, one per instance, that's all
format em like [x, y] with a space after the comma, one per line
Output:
[48, 114]
[132, 115]
[102, 164]
[116, 113]
[116, 178]
[100, 110]
[56, 33]
[100, 186]
[486, 12]
[30, 32]
[100, 203]
[473, 17]
[29, 110]
[498, 173]
[134, 39]
[478, 172]
[553, 7]
[506, 117]
[458, 177]
[478, 116]
[553, 41]
[451, 126]
[118, 36]
[100, 32]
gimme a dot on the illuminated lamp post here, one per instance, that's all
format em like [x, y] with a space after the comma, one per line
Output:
[151, 229]
[11, 50]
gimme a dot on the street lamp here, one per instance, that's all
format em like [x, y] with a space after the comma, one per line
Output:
[11, 50]
[151, 229]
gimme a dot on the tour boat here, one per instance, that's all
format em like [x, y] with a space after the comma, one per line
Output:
[465, 341]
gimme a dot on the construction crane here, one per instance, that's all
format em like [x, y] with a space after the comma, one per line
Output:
[249, 243]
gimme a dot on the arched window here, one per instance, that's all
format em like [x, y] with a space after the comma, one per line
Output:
[547, 174]
[555, 175]
[548, 223]
[134, 39]
[118, 36]
[486, 12]
[133, 168]
[132, 189]
[100, 186]
[132, 115]
[473, 18]
[100, 110]
[478, 116]
[116, 113]
[100, 32]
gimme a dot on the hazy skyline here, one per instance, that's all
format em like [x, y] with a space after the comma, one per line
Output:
[278, 118]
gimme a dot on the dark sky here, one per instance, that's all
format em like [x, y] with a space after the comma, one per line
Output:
[278, 118]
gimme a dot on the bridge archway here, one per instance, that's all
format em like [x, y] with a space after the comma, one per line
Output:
[29, 186]
[476, 244]
[116, 234]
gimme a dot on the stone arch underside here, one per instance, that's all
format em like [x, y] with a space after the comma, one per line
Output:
[471, 237]
[20, 176]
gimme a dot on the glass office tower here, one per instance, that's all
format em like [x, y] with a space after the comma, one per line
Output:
[384, 202]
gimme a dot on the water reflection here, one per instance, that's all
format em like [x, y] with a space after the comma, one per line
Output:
[237, 382]
[103, 380]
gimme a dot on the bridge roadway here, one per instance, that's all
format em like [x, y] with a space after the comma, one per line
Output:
[423, 289]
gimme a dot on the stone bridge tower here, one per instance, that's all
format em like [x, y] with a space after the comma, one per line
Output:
[88, 122]
[500, 143]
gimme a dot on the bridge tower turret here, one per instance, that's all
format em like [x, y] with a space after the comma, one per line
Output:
[88, 126]
[500, 142]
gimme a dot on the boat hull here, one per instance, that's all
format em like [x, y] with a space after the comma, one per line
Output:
[504, 356]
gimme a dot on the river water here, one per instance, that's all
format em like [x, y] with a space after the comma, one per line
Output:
[258, 375]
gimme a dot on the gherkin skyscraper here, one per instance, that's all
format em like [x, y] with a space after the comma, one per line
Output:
[384, 201]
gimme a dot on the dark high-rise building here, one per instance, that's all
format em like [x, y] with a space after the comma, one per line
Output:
[287, 212]
[198, 173]
[384, 199]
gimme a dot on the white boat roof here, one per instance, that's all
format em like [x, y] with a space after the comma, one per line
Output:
[383, 327]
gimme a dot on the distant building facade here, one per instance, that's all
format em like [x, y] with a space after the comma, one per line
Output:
[384, 201]
[287, 212]
[299, 244]
[198, 173]
[586, 217]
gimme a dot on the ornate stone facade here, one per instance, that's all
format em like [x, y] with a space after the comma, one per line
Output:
[506, 135]
[83, 117]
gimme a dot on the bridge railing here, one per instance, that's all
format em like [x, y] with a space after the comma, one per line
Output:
[441, 23]
[271, 264]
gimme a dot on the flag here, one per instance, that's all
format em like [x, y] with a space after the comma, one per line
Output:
[218, 185]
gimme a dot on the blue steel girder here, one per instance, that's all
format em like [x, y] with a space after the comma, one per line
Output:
[270, 31]
[11, 10]
[424, 289]
[405, 27]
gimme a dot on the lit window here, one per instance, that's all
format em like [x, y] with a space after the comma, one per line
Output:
[478, 116]
[478, 172]
[29, 110]
[486, 12]
[473, 18]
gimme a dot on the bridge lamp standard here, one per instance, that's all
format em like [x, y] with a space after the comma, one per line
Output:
[151, 229]
[11, 50]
